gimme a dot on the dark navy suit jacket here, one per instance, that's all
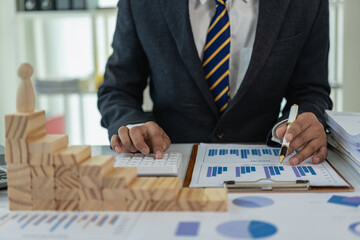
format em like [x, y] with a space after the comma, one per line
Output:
[153, 40]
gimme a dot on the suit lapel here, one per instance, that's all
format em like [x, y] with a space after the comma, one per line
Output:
[177, 17]
[271, 15]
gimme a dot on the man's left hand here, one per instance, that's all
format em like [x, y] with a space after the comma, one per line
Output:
[307, 135]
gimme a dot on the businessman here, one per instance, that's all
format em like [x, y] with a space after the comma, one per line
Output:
[218, 71]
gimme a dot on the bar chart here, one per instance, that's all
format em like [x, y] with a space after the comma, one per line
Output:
[54, 223]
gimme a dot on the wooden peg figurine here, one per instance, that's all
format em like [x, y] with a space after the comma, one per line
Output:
[25, 99]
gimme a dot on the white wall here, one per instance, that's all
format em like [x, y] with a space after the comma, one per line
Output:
[8, 76]
[351, 81]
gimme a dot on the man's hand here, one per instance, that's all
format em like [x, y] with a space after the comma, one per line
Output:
[306, 134]
[145, 138]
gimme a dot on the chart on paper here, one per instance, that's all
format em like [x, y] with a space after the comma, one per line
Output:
[68, 225]
[216, 163]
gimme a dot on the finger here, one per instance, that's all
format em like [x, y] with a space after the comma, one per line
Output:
[298, 126]
[137, 139]
[166, 141]
[115, 143]
[310, 148]
[125, 139]
[302, 139]
[280, 130]
[320, 156]
[156, 139]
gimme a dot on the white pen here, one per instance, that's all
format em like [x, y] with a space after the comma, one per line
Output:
[285, 144]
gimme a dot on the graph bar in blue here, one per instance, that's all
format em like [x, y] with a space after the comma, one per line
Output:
[214, 171]
[114, 219]
[247, 169]
[40, 220]
[301, 171]
[209, 172]
[22, 218]
[187, 229]
[242, 170]
[253, 169]
[70, 221]
[272, 171]
[237, 171]
[53, 228]
[281, 168]
[224, 169]
[258, 152]
[267, 174]
[296, 172]
[102, 221]
[305, 169]
[277, 171]
[29, 221]
[219, 170]
[311, 170]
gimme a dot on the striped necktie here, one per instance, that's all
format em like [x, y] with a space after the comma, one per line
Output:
[217, 55]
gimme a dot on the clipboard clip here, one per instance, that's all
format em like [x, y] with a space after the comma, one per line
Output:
[265, 184]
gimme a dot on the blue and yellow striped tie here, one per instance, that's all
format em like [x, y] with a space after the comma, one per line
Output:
[217, 55]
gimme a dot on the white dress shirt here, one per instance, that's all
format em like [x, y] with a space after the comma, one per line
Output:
[243, 16]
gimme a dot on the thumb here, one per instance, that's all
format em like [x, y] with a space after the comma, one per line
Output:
[280, 131]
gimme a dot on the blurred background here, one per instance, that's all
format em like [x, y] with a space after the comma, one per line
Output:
[68, 43]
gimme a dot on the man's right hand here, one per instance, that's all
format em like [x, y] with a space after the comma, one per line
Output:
[146, 138]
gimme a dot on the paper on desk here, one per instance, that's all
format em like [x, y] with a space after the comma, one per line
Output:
[249, 216]
[216, 163]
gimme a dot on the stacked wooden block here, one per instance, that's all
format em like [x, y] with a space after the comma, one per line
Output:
[44, 173]
[20, 128]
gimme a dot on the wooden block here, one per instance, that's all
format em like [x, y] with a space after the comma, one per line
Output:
[93, 170]
[19, 176]
[66, 170]
[166, 189]
[141, 188]
[115, 194]
[164, 206]
[48, 144]
[19, 199]
[115, 205]
[43, 193]
[43, 182]
[120, 177]
[42, 171]
[139, 205]
[67, 205]
[66, 194]
[38, 159]
[203, 199]
[25, 126]
[67, 182]
[44, 205]
[72, 155]
[16, 151]
[91, 205]
[90, 194]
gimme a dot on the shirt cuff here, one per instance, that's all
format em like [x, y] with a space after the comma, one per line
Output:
[129, 126]
[274, 137]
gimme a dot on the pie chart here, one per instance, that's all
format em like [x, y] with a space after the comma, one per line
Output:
[246, 229]
[253, 202]
[355, 228]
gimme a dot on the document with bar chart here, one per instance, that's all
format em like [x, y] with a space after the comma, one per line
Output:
[216, 163]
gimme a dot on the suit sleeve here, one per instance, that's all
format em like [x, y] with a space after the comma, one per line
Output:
[120, 97]
[309, 85]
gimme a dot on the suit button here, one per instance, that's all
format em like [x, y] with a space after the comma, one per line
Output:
[219, 133]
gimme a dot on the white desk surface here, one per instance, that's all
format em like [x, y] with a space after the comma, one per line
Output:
[279, 216]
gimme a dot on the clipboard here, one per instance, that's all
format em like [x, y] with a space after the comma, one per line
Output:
[269, 185]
